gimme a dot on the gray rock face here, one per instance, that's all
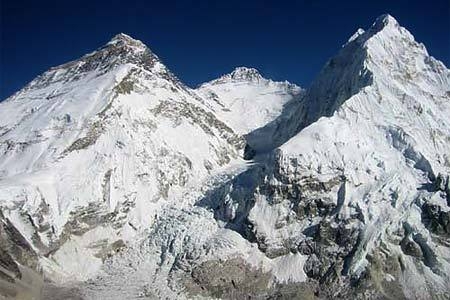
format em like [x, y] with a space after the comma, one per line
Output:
[19, 268]
[328, 241]
[437, 220]
[15, 249]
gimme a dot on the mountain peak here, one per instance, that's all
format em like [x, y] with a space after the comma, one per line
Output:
[384, 21]
[240, 74]
[250, 76]
[120, 50]
[247, 74]
[386, 33]
[123, 39]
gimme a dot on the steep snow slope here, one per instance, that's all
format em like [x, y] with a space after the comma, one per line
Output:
[91, 149]
[362, 187]
[246, 101]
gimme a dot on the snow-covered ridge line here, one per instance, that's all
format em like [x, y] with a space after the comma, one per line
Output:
[120, 50]
[246, 75]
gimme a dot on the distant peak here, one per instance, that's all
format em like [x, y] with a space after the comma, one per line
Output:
[245, 70]
[245, 74]
[240, 74]
[122, 36]
[124, 39]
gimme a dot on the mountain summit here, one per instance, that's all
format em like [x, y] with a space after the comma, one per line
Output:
[117, 181]
[385, 54]
[124, 39]
[241, 74]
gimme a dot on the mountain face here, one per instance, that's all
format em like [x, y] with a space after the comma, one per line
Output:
[360, 184]
[119, 182]
[251, 105]
[97, 145]
[244, 92]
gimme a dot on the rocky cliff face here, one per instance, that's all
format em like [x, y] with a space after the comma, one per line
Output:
[124, 183]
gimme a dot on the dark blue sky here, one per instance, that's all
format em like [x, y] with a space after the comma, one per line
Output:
[200, 40]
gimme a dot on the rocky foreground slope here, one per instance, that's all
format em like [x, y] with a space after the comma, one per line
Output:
[119, 182]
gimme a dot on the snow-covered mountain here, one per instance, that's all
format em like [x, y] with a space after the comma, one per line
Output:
[245, 92]
[119, 182]
[360, 184]
[98, 145]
